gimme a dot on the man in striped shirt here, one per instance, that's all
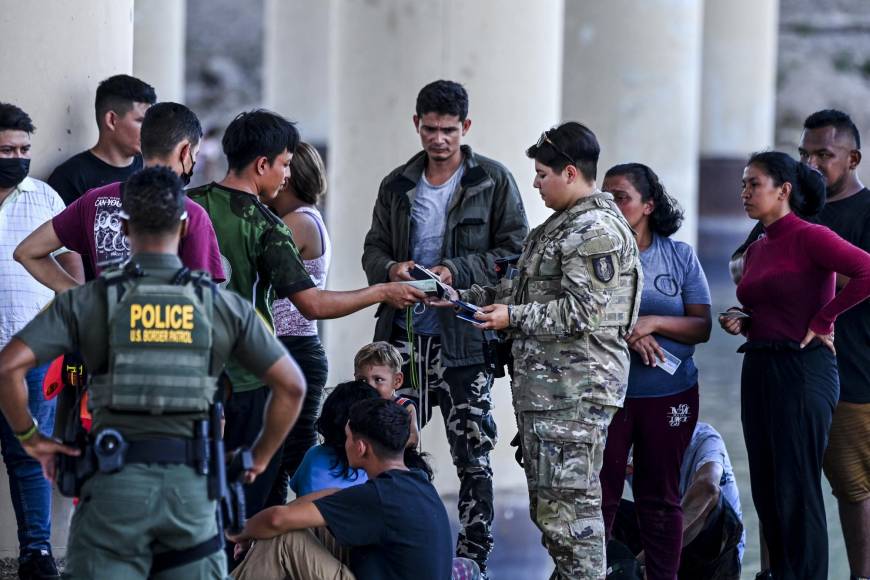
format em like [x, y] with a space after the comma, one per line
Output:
[25, 203]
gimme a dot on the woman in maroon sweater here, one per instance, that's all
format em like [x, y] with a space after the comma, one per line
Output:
[789, 380]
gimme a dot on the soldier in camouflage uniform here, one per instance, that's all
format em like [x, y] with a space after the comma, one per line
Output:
[261, 262]
[573, 300]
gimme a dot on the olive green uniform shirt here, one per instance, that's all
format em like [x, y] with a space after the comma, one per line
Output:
[77, 321]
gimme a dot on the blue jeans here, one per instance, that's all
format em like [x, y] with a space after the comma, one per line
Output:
[30, 491]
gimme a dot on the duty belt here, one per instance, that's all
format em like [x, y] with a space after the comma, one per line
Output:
[112, 452]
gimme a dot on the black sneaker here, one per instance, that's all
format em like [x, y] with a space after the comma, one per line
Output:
[39, 566]
[764, 575]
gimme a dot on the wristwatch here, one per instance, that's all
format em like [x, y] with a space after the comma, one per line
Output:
[510, 314]
[29, 433]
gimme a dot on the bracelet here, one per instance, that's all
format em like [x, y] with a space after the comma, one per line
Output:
[510, 313]
[25, 436]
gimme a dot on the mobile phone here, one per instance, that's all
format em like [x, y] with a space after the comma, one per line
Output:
[734, 314]
[466, 311]
[418, 272]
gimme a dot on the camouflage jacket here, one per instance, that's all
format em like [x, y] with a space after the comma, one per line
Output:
[576, 296]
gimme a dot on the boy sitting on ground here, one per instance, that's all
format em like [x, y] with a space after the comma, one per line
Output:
[325, 466]
[395, 523]
[380, 365]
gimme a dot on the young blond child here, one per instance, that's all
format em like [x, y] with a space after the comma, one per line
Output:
[380, 365]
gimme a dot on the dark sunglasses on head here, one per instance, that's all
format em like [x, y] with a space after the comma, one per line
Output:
[546, 139]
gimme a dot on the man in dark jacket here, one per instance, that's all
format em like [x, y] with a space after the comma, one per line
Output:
[455, 212]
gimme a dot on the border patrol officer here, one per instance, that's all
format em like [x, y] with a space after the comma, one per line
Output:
[156, 338]
[568, 309]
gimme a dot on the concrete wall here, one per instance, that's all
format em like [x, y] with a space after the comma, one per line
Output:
[632, 73]
[158, 46]
[508, 55]
[56, 54]
[296, 63]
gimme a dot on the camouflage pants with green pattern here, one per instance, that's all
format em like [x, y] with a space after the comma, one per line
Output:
[464, 396]
[562, 456]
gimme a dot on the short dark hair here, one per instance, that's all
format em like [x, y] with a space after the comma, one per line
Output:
[14, 119]
[334, 416]
[384, 424]
[153, 200]
[836, 119]
[165, 126]
[808, 192]
[667, 215]
[570, 143]
[118, 93]
[258, 133]
[444, 98]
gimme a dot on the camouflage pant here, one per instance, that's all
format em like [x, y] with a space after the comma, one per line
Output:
[463, 394]
[562, 455]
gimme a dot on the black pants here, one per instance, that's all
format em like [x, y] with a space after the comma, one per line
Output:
[788, 397]
[311, 358]
[712, 555]
[244, 420]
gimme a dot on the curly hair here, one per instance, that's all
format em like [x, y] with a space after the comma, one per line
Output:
[667, 215]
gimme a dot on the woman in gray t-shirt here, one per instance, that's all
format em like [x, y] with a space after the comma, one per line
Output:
[661, 406]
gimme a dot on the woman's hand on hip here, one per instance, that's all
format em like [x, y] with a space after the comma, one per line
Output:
[827, 340]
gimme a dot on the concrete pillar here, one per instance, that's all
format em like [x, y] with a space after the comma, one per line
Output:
[65, 49]
[738, 94]
[158, 46]
[507, 54]
[632, 73]
[80, 44]
[296, 64]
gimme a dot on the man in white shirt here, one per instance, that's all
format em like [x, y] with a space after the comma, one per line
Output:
[25, 203]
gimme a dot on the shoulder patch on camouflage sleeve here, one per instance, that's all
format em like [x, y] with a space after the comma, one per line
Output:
[602, 267]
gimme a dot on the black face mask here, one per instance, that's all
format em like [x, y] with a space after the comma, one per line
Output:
[186, 176]
[13, 170]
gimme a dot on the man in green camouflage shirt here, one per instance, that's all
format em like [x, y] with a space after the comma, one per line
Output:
[261, 262]
[568, 309]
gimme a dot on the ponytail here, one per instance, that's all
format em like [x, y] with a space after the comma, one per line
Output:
[807, 185]
[416, 460]
[811, 187]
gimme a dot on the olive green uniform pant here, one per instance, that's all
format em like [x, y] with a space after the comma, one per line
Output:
[562, 456]
[124, 518]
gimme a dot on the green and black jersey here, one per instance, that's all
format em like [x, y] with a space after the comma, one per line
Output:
[259, 256]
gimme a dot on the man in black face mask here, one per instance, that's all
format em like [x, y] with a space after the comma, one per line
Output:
[170, 136]
[25, 203]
